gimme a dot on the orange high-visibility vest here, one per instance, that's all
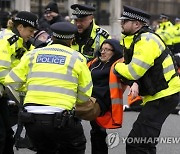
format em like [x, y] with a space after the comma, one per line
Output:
[114, 116]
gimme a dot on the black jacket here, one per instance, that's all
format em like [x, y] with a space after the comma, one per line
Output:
[100, 77]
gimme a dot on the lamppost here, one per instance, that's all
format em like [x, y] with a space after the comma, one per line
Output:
[115, 10]
[71, 2]
[40, 8]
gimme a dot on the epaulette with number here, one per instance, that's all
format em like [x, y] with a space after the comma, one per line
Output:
[102, 32]
[13, 39]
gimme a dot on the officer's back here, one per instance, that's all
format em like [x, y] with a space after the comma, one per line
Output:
[57, 78]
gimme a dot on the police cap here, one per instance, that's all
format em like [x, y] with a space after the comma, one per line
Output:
[81, 10]
[163, 16]
[177, 19]
[63, 30]
[134, 14]
[28, 18]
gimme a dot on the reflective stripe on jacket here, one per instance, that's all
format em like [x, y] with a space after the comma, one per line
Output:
[54, 75]
[8, 53]
[114, 116]
[146, 50]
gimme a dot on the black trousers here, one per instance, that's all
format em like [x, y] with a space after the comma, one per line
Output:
[148, 125]
[98, 139]
[6, 132]
[48, 139]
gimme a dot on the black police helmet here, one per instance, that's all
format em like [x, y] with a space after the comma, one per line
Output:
[81, 10]
[63, 30]
[26, 18]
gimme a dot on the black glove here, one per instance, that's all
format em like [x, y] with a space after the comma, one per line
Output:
[19, 53]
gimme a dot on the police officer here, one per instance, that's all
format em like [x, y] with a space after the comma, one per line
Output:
[57, 77]
[15, 42]
[177, 36]
[166, 30]
[90, 36]
[13, 46]
[149, 66]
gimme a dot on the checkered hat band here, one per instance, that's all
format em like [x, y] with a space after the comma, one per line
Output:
[28, 21]
[135, 16]
[63, 36]
[82, 12]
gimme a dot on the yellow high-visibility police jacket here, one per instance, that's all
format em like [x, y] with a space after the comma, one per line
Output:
[126, 40]
[166, 31]
[177, 33]
[55, 75]
[146, 50]
[98, 35]
[10, 45]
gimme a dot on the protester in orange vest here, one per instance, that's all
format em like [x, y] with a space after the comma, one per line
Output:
[108, 96]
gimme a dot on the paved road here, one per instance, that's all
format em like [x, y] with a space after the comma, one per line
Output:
[171, 128]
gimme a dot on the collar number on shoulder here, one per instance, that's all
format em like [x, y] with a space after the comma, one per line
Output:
[13, 39]
[102, 32]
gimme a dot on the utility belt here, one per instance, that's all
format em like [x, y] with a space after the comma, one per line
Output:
[58, 120]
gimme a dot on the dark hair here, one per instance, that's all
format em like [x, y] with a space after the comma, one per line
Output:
[117, 48]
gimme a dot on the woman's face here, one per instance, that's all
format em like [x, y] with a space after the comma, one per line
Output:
[106, 52]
